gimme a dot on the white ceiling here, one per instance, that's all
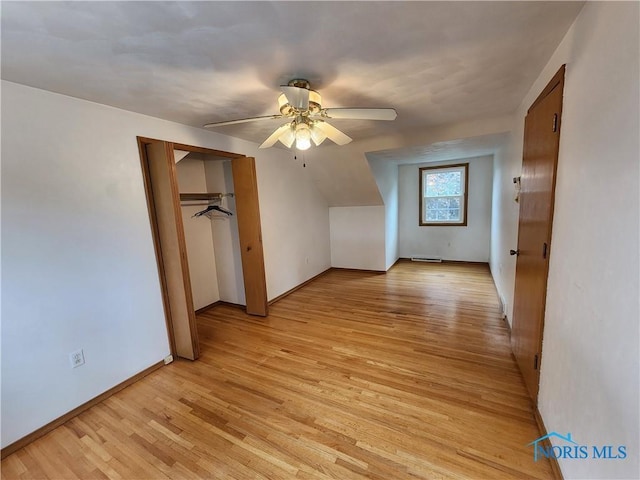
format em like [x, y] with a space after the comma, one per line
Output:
[200, 62]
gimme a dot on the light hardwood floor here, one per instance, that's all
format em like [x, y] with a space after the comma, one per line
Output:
[356, 375]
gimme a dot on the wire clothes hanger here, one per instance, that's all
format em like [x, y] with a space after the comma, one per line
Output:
[211, 208]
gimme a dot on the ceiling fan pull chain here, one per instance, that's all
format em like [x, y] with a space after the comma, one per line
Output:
[304, 162]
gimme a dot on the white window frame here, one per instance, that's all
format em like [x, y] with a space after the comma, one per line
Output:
[464, 184]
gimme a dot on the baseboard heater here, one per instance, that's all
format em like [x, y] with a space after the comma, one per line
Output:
[426, 258]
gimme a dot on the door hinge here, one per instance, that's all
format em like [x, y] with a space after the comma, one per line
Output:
[545, 247]
[555, 122]
[535, 361]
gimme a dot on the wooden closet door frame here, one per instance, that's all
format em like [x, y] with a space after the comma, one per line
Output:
[250, 235]
[151, 206]
[163, 202]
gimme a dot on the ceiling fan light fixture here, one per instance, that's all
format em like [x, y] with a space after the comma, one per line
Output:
[317, 135]
[303, 136]
[288, 136]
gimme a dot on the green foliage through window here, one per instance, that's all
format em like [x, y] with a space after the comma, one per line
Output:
[443, 195]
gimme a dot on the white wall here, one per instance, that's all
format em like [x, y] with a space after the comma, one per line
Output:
[198, 236]
[347, 177]
[386, 176]
[470, 243]
[590, 358]
[78, 264]
[504, 221]
[295, 224]
[357, 237]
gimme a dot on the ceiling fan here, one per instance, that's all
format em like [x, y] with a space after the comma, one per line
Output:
[307, 119]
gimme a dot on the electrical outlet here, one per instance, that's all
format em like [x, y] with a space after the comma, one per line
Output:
[76, 358]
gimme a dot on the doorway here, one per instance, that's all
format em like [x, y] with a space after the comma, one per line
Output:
[539, 164]
[158, 159]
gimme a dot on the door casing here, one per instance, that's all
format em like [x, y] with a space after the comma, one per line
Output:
[163, 203]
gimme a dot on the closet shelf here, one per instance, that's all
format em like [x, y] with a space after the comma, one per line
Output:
[203, 196]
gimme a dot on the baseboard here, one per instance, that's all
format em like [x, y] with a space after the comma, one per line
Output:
[218, 304]
[555, 466]
[408, 260]
[500, 302]
[361, 270]
[232, 305]
[465, 262]
[26, 440]
[289, 292]
[211, 305]
[508, 325]
[394, 264]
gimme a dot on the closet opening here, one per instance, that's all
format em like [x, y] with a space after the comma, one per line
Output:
[205, 219]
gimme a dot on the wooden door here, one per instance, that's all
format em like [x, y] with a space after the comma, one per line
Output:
[164, 206]
[540, 157]
[250, 234]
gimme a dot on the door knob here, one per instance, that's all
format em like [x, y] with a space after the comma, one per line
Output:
[514, 252]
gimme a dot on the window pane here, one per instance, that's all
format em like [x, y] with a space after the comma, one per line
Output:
[432, 203]
[442, 202]
[442, 209]
[443, 184]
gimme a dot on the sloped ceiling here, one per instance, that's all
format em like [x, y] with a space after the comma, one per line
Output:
[441, 151]
[197, 62]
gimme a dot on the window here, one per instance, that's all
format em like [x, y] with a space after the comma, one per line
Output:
[443, 195]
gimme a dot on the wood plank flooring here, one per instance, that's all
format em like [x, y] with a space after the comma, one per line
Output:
[356, 375]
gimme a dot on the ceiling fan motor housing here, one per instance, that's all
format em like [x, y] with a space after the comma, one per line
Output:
[315, 100]
[300, 83]
[287, 110]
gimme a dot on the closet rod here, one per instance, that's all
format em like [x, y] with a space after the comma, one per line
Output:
[204, 196]
[190, 203]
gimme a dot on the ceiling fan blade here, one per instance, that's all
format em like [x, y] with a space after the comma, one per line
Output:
[317, 135]
[361, 113]
[243, 120]
[332, 133]
[296, 96]
[275, 136]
